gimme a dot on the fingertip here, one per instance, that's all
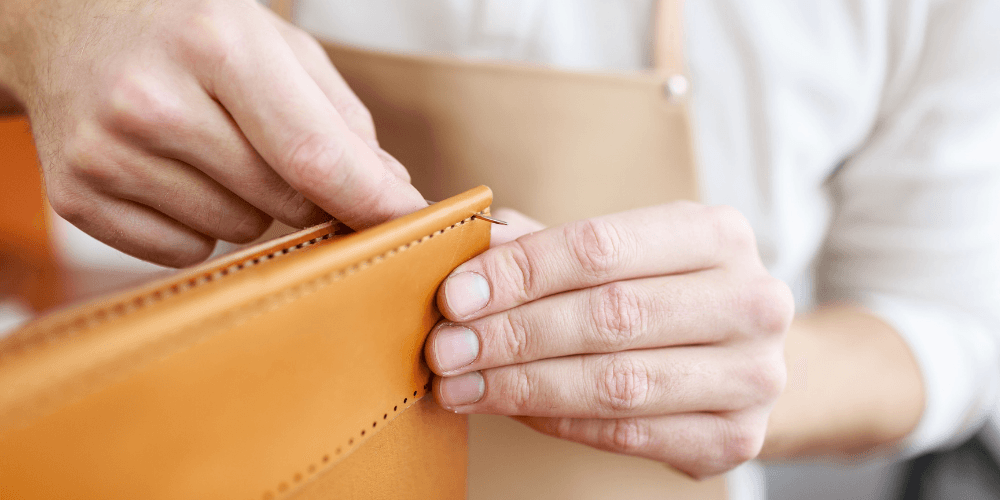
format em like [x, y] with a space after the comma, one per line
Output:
[463, 294]
[194, 251]
[451, 349]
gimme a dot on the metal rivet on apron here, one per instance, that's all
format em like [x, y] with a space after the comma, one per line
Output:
[676, 87]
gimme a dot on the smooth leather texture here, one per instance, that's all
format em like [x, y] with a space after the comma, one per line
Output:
[249, 377]
[426, 436]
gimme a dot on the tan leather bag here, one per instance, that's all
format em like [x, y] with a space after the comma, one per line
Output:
[289, 370]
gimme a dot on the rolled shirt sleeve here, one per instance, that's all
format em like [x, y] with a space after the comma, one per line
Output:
[915, 236]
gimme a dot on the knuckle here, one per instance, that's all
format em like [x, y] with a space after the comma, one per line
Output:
[515, 336]
[773, 380]
[596, 245]
[353, 112]
[618, 316]
[517, 386]
[740, 442]
[731, 230]
[767, 306]
[764, 379]
[627, 435]
[297, 210]
[511, 272]
[247, 227]
[299, 38]
[624, 384]
[67, 202]
[212, 36]
[143, 106]
[562, 428]
[315, 162]
[86, 160]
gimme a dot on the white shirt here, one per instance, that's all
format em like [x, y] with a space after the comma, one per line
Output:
[861, 139]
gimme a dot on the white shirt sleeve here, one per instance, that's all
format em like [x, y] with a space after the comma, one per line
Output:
[916, 232]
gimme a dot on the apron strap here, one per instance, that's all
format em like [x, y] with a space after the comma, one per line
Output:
[668, 37]
[668, 47]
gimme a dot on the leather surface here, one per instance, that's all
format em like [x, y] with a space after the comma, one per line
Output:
[248, 377]
[421, 443]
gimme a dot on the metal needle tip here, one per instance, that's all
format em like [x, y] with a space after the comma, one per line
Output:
[490, 219]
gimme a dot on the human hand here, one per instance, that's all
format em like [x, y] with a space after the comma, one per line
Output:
[164, 126]
[655, 332]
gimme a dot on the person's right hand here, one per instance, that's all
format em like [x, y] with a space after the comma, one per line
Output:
[163, 126]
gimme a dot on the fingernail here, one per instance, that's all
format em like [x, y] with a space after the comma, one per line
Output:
[466, 293]
[462, 390]
[455, 347]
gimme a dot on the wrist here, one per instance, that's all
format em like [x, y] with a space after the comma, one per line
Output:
[853, 387]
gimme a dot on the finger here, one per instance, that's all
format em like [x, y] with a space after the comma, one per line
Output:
[314, 60]
[392, 164]
[188, 196]
[634, 383]
[173, 117]
[697, 444]
[135, 229]
[670, 239]
[293, 125]
[698, 308]
[518, 225]
[349, 107]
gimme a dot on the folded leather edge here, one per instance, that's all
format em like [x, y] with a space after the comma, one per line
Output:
[388, 237]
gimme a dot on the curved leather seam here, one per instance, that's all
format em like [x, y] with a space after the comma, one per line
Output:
[95, 318]
[342, 452]
[237, 316]
[121, 309]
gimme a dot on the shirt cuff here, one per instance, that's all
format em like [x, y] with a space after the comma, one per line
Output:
[957, 356]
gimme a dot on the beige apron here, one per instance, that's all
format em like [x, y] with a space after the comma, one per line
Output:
[558, 146]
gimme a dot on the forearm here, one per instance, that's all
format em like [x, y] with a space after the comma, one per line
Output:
[853, 386]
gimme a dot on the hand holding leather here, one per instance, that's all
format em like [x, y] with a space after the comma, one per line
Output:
[164, 126]
[655, 332]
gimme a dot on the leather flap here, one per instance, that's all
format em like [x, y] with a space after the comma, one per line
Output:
[238, 379]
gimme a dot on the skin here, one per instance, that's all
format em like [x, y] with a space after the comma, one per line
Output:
[164, 126]
[658, 333]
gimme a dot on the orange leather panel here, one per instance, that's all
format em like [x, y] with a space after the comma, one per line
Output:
[412, 458]
[243, 378]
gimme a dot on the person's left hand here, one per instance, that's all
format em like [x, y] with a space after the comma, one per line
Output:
[656, 332]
